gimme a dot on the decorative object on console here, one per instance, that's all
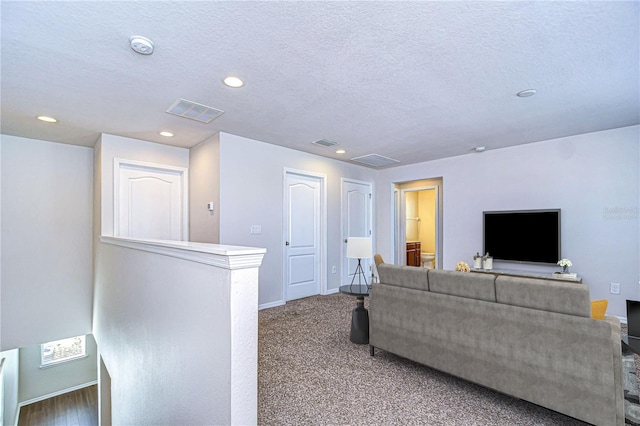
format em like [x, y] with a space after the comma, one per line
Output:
[565, 263]
[359, 248]
[487, 262]
[477, 261]
[462, 267]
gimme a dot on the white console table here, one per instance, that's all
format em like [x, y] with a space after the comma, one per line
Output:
[529, 274]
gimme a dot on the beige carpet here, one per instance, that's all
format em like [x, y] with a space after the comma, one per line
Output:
[311, 374]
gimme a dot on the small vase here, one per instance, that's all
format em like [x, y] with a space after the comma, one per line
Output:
[565, 269]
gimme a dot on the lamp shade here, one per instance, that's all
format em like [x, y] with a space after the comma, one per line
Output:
[359, 247]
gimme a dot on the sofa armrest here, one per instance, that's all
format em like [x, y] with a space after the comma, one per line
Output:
[616, 345]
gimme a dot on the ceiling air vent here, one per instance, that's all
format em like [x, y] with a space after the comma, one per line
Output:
[375, 160]
[194, 111]
[325, 143]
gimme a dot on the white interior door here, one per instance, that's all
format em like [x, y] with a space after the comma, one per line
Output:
[356, 222]
[150, 201]
[303, 207]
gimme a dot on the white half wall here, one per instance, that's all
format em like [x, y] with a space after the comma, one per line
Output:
[252, 193]
[178, 335]
[46, 276]
[592, 177]
[10, 386]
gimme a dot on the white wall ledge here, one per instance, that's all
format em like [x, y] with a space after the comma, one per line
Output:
[222, 256]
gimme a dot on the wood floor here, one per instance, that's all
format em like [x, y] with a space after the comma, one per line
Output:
[77, 408]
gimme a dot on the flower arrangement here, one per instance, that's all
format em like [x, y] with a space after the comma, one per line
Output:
[462, 267]
[565, 263]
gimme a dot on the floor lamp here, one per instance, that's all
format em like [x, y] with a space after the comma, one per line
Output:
[359, 248]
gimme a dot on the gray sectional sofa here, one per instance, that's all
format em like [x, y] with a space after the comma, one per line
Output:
[530, 338]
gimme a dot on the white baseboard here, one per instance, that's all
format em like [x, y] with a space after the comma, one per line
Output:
[271, 304]
[60, 392]
[331, 291]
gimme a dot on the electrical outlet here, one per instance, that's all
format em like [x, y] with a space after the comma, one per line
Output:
[615, 288]
[334, 270]
[256, 229]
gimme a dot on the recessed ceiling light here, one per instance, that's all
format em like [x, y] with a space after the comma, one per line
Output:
[341, 151]
[142, 45]
[166, 134]
[47, 119]
[526, 93]
[233, 81]
[480, 148]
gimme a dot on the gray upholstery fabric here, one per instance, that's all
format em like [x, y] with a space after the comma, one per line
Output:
[547, 295]
[405, 276]
[614, 323]
[464, 284]
[568, 363]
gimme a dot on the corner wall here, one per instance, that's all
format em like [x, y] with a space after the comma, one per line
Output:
[10, 386]
[252, 193]
[592, 177]
[46, 240]
[204, 187]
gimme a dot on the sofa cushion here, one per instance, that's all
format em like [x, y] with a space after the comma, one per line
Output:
[463, 284]
[404, 276]
[546, 295]
[599, 309]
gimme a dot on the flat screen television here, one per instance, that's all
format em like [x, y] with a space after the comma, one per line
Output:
[527, 236]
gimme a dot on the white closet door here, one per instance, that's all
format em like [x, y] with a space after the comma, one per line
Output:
[150, 201]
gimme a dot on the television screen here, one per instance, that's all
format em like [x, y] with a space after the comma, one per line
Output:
[531, 236]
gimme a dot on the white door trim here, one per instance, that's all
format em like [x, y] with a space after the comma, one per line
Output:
[323, 227]
[343, 246]
[182, 171]
[401, 230]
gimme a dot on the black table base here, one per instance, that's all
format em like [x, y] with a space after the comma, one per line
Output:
[360, 323]
[359, 315]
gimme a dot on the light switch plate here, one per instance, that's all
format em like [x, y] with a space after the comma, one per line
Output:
[256, 229]
[615, 288]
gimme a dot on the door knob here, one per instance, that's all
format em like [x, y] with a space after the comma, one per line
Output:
[286, 243]
[345, 240]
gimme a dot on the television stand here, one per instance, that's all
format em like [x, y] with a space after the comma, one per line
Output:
[530, 274]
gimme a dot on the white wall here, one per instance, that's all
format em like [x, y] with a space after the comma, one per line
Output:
[46, 254]
[10, 384]
[204, 179]
[177, 337]
[252, 193]
[36, 382]
[111, 147]
[586, 176]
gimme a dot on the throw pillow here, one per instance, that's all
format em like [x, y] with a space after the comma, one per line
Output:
[598, 309]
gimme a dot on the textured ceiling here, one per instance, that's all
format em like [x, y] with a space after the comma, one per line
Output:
[413, 81]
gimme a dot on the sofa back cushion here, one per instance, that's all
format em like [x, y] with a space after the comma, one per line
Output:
[403, 276]
[463, 284]
[546, 295]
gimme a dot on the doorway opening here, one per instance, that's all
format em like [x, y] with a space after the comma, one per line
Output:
[418, 223]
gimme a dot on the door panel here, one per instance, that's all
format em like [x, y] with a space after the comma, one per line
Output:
[150, 201]
[356, 222]
[302, 229]
[150, 208]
